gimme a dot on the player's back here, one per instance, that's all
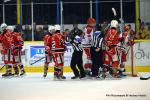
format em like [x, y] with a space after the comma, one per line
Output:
[47, 40]
[17, 39]
[6, 40]
[58, 42]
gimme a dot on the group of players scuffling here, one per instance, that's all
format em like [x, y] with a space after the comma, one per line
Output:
[105, 48]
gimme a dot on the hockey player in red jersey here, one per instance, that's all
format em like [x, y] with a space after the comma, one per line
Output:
[1, 47]
[126, 40]
[7, 50]
[110, 54]
[48, 46]
[58, 49]
[17, 45]
[87, 41]
[1, 42]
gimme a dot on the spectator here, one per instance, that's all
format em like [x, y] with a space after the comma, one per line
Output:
[143, 32]
[38, 34]
[28, 33]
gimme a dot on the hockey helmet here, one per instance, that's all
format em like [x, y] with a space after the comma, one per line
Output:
[57, 27]
[51, 29]
[91, 21]
[10, 28]
[114, 23]
[3, 26]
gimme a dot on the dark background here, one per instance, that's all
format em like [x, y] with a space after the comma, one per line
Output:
[45, 13]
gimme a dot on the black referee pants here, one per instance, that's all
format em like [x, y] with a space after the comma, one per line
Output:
[96, 58]
[77, 61]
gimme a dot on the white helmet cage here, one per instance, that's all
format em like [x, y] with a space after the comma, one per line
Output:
[3, 26]
[114, 23]
[57, 27]
[10, 28]
[51, 28]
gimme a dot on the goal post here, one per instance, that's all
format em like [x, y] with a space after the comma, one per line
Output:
[138, 58]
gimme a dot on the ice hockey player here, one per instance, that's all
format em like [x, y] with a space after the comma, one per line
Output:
[0, 40]
[1, 48]
[110, 57]
[14, 65]
[7, 50]
[66, 36]
[48, 46]
[17, 46]
[126, 40]
[58, 49]
[97, 51]
[76, 60]
[86, 42]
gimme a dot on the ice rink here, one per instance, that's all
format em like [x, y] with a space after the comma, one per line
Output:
[34, 87]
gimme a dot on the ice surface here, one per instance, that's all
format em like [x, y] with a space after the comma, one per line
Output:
[34, 87]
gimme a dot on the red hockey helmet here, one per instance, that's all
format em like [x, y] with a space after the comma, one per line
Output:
[91, 21]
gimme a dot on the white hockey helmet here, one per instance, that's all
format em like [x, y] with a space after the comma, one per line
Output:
[51, 29]
[10, 28]
[3, 26]
[57, 27]
[114, 23]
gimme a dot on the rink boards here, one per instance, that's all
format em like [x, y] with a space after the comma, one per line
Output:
[34, 52]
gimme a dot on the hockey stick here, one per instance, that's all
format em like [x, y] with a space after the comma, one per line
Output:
[2, 67]
[37, 60]
[114, 12]
[108, 25]
[115, 15]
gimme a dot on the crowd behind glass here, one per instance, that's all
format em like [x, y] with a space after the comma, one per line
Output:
[39, 30]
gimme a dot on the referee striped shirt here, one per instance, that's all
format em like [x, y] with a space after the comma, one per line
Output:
[97, 40]
[76, 44]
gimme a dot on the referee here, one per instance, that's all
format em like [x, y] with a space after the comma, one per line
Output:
[76, 60]
[96, 51]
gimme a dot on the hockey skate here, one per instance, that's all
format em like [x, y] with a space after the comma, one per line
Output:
[23, 74]
[45, 74]
[122, 73]
[16, 74]
[88, 73]
[75, 77]
[104, 72]
[82, 77]
[59, 76]
[63, 77]
[101, 74]
[7, 75]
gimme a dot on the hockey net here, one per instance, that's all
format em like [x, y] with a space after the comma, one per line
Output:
[138, 58]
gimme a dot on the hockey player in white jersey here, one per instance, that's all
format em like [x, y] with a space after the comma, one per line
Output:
[86, 42]
[126, 41]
